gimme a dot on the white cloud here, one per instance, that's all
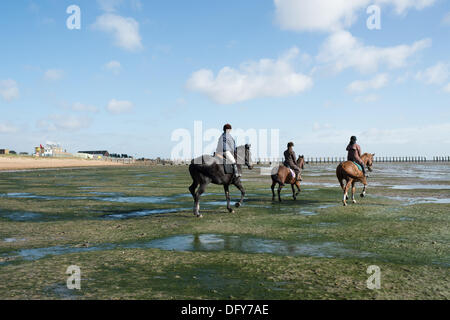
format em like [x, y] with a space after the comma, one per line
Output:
[332, 15]
[114, 66]
[118, 107]
[64, 123]
[341, 51]
[124, 30]
[7, 128]
[77, 106]
[436, 74]
[255, 79]
[379, 81]
[370, 98]
[447, 88]
[109, 5]
[9, 90]
[317, 126]
[374, 136]
[446, 19]
[53, 74]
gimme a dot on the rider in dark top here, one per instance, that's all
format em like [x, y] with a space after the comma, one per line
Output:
[290, 161]
[354, 153]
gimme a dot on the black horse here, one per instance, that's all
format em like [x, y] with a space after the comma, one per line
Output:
[208, 169]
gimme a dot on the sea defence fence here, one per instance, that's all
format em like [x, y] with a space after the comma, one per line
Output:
[376, 159]
[310, 160]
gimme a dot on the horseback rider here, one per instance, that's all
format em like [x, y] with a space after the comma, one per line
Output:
[226, 147]
[354, 153]
[290, 161]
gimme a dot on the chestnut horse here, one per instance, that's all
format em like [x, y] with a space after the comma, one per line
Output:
[284, 175]
[349, 172]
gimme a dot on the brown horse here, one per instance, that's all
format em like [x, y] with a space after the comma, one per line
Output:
[349, 172]
[284, 175]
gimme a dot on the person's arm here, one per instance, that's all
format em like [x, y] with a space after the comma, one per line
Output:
[358, 147]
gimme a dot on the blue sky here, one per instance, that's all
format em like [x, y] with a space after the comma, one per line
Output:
[137, 71]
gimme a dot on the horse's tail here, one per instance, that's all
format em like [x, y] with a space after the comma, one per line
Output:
[339, 174]
[276, 178]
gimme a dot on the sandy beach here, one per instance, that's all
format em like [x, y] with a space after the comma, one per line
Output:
[23, 163]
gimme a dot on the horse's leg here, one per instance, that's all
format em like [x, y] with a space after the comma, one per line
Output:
[353, 191]
[238, 185]
[274, 183]
[364, 181]
[279, 192]
[227, 195]
[293, 192]
[199, 192]
[193, 187]
[347, 186]
[297, 183]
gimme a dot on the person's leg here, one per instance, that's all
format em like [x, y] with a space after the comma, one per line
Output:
[363, 168]
[230, 159]
[297, 171]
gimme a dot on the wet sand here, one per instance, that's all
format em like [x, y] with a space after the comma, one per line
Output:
[24, 163]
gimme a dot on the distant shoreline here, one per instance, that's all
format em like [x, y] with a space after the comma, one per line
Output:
[13, 163]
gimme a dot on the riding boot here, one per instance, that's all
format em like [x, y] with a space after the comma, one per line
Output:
[364, 171]
[298, 177]
[236, 173]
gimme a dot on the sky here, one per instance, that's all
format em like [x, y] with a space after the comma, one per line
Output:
[137, 73]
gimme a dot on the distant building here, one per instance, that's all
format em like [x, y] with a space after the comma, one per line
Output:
[96, 154]
[51, 150]
[84, 155]
[4, 151]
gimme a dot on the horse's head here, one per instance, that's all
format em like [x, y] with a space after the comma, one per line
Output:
[301, 162]
[244, 156]
[248, 156]
[369, 160]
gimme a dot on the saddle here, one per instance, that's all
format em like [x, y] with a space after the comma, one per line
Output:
[358, 166]
[227, 168]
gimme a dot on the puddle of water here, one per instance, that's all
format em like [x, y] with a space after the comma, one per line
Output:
[327, 224]
[34, 196]
[142, 213]
[308, 209]
[61, 292]
[106, 194]
[421, 186]
[21, 216]
[11, 240]
[211, 243]
[409, 201]
[406, 219]
[136, 199]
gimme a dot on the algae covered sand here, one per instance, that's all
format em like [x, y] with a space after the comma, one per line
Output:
[132, 233]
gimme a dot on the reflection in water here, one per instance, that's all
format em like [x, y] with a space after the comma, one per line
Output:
[211, 243]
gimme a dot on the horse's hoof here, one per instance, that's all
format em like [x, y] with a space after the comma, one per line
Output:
[345, 204]
[346, 198]
[237, 205]
[354, 201]
[362, 195]
[200, 216]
